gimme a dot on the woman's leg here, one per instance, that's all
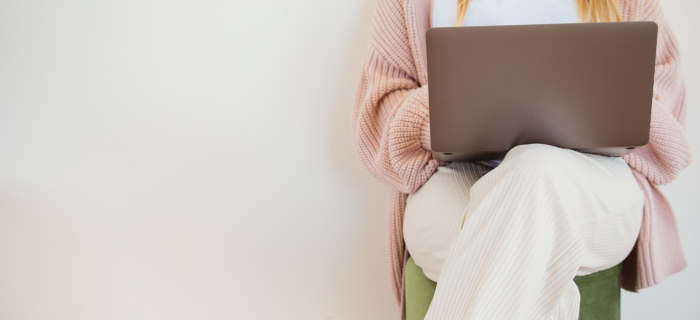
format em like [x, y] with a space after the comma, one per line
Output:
[526, 233]
[434, 214]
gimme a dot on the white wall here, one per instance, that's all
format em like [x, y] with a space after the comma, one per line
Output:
[192, 160]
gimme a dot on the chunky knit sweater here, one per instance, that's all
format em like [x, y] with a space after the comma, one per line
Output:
[391, 133]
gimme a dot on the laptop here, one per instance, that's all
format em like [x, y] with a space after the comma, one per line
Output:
[581, 86]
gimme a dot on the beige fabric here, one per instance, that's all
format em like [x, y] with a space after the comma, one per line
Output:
[540, 218]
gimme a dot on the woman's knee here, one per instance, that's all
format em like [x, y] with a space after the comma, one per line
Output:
[524, 167]
[537, 157]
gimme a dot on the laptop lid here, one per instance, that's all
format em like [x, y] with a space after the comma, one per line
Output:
[582, 86]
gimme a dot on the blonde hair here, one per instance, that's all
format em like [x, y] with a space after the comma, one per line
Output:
[588, 11]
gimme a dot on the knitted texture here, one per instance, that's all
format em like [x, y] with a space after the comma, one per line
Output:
[391, 133]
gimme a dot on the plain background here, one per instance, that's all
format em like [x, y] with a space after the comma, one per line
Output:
[193, 160]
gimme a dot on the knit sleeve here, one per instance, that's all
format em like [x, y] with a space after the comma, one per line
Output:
[390, 112]
[668, 151]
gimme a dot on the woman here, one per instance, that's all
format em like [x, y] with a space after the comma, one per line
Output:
[507, 242]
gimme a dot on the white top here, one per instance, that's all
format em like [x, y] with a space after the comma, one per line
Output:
[506, 12]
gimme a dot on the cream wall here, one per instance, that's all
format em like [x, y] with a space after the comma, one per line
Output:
[192, 160]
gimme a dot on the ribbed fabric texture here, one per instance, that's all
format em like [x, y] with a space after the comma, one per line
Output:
[433, 215]
[390, 126]
[542, 217]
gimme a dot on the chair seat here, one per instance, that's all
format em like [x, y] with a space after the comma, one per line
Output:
[600, 293]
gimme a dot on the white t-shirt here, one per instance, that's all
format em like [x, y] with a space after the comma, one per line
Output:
[506, 12]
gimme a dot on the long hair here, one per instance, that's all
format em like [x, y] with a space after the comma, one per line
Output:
[588, 11]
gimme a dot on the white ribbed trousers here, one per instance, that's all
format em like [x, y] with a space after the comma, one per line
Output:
[506, 243]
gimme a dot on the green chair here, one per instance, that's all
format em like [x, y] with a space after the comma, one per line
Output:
[600, 293]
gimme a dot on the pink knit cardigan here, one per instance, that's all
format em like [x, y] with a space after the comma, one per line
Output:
[391, 133]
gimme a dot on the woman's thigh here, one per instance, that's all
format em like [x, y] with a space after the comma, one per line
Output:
[599, 193]
[434, 214]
